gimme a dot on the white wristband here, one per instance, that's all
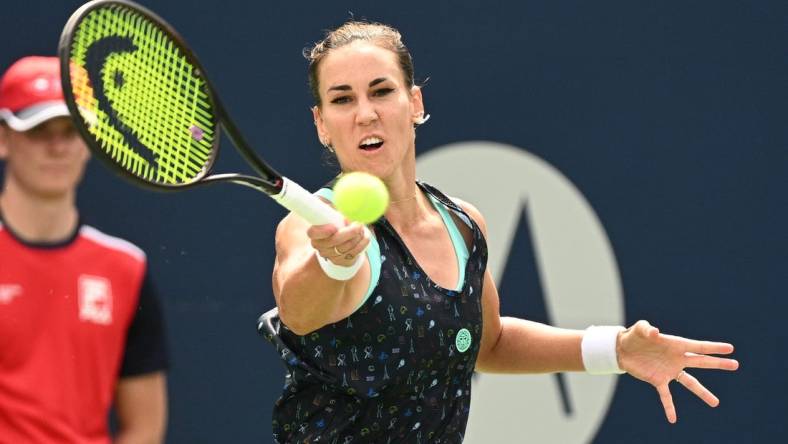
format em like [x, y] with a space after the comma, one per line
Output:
[339, 272]
[598, 348]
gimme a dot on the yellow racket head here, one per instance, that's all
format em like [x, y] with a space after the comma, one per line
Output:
[138, 95]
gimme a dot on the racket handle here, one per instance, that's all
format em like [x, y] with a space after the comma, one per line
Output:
[300, 201]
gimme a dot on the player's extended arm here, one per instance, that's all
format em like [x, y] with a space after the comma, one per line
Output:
[141, 409]
[308, 298]
[511, 345]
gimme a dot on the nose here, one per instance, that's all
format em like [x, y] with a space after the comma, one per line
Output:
[366, 113]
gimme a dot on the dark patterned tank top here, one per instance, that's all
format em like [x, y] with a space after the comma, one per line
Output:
[397, 370]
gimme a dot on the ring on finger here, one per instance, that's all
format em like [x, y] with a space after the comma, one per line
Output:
[678, 377]
[336, 250]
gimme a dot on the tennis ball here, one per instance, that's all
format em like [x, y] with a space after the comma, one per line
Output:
[361, 197]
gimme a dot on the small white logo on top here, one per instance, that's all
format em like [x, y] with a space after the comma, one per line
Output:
[8, 292]
[95, 300]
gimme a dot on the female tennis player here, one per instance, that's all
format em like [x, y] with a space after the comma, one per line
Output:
[381, 333]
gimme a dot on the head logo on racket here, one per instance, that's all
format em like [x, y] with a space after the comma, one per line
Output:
[139, 95]
[95, 60]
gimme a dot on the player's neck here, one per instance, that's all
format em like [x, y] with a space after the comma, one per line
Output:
[407, 204]
[412, 213]
[38, 220]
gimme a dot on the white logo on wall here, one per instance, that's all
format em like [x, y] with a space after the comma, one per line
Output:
[577, 269]
[95, 299]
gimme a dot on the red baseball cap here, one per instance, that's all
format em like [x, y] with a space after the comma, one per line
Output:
[31, 93]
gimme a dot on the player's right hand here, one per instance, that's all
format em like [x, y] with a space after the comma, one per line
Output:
[340, 245]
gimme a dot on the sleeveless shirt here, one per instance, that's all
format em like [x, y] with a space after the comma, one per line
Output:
[398, 369]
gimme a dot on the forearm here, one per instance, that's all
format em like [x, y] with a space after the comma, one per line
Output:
[307, 298]
[530, 347]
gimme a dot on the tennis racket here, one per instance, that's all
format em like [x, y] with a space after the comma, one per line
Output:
[142, 102]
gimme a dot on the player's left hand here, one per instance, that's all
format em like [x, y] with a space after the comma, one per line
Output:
[658, 359]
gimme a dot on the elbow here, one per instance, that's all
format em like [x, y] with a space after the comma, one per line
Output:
[299, 328]
[295, 320]
[301, 331]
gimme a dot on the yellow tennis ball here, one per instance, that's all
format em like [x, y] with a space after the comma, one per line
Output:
[361, 197]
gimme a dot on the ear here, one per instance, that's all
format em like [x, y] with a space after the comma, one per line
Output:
[417, 104]
[320, 127]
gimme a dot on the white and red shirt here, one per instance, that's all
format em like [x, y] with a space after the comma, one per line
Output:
[74, 317]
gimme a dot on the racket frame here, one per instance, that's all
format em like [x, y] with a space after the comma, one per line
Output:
[270, 182]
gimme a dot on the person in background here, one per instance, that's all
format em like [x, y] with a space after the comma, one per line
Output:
[81, 329]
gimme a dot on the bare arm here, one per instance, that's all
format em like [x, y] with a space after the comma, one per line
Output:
[307, 298]
[512, 345]
[141, 408]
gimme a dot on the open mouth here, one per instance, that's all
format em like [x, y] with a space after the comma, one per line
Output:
[371, 143]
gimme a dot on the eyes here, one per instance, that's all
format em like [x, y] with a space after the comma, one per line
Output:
[348, 98]
[56, 128]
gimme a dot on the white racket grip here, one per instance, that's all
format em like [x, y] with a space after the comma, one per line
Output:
[300, 201]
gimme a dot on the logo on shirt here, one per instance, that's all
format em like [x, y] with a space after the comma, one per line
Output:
[95, 299]
[463, 340]
[8, 292]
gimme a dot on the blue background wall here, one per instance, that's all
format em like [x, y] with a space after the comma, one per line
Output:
[670, 117]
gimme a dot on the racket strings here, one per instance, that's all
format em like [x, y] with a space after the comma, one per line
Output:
[161, 124]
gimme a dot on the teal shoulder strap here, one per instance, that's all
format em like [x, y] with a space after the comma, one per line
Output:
[460, 249]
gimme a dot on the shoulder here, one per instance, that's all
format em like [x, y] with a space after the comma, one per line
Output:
[467, 207]
[473, 212]
[113, 244]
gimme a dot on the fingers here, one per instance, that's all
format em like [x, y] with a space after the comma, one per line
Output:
[710, 362]
[710, 348]
[355, 246]
[321, 232]
[644, 329]
[667, 402]
[341, 243]
[692, 384]
[702, 347]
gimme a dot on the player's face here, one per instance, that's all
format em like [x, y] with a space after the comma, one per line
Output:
[367, 111]
[47, 161]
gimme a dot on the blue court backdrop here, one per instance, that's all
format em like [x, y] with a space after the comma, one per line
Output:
[661, 126]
